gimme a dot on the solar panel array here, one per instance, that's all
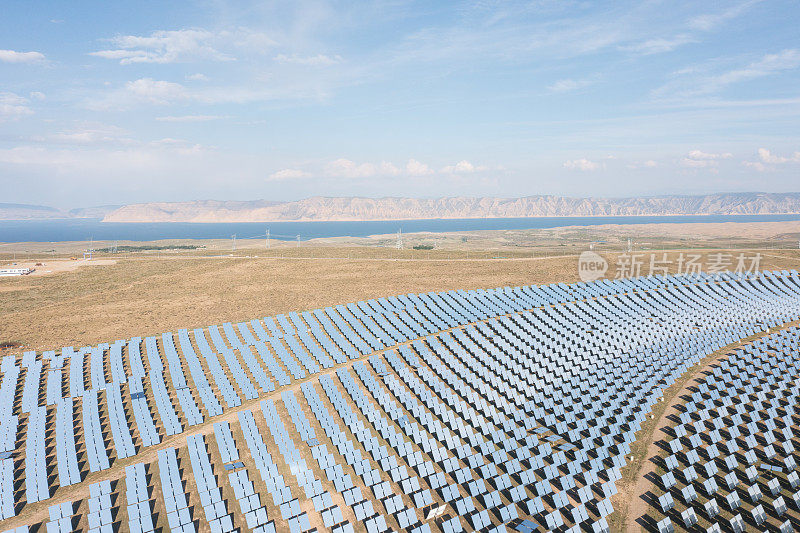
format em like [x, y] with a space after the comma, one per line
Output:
[60, 518]
[474, 410]
[101, 513]
[214, 507]
[120, 431]
[66, 455]
[140, 515]
[179, 516]
[96, 451]
[37, 487]
[732, 459]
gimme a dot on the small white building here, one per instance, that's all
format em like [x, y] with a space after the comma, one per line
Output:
[15, 271]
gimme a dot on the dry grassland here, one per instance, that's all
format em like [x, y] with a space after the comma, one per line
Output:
[144, 297]
[147, 295]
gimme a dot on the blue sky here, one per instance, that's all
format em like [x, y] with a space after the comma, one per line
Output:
[101, 103]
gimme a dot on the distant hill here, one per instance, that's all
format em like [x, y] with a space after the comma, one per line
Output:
[26, 211]
[355, 208]
[93, 212]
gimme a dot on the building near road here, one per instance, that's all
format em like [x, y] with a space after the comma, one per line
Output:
[15, 271]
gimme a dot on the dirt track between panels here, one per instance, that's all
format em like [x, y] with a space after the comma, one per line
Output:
[629, 505]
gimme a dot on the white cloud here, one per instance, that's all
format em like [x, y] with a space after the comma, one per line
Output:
[757, 165]
[126, 56]
[698, 163]
[79, 171]
[13, 106]
[151, 91]
[348, 169]
[697, 80]
[96, 160]
[189, 118]
[659, 45]
[155, 91]
[12, 56]
[643, 164]
[197, 77]
[700, 159]
[341, 168]
[143, 90]
[768, 160]
[709, 22]
[251, 41]
[388, 169]
[462, 167]
[97, 135]
[415, 168]
[288, 174]
[317, 60]
[784, 60]
[698, 155]
[344, 168]
[12, 99]
[36, 95]
[173, 46]
[92, 134]
[768, 157]
[581, 164]
[569, 85]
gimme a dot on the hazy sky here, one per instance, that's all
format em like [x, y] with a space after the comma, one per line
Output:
[104, 102]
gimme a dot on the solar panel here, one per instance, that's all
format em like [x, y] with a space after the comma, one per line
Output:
[536, 394]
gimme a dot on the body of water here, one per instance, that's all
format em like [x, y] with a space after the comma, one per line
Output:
[86, 229]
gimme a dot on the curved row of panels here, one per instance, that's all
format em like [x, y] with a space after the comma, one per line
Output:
[476, 410]
[731, 456]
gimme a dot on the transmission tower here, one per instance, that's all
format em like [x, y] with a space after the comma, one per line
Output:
[267, 237]
[234, 241]
[399, 244]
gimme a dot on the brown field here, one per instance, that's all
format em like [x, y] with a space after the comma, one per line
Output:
[142, 294]
[137, 297]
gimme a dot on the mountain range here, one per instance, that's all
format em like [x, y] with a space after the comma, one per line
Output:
[394, 208]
